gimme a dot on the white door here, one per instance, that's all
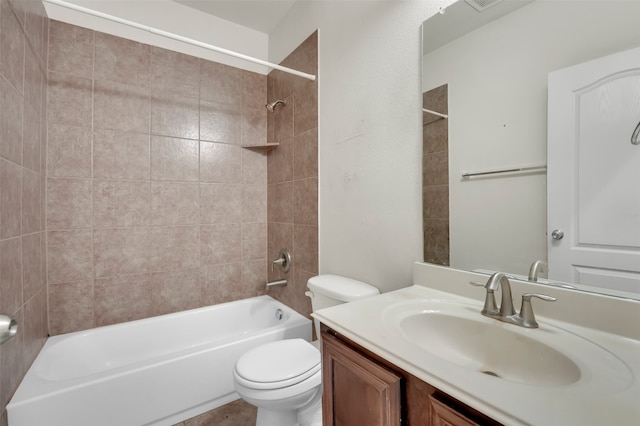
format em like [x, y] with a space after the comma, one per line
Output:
[593, 178]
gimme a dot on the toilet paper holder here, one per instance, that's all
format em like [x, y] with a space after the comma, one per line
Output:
[8, 328]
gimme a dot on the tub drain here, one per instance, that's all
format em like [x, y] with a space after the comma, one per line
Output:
[279, 314]
[490, 373]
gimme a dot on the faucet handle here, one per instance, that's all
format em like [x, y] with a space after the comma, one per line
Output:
[528, 296]
[526, 316]
[490, 306]
[283, 261]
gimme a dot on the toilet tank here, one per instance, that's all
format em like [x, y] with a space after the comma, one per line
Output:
[331, 290]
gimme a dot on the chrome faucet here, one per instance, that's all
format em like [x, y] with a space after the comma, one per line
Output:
[506, 312]
[537, 267]
[496, 280]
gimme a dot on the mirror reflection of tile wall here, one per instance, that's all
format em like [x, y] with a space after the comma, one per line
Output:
[435, 177]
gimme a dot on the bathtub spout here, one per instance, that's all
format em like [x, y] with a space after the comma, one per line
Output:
[277, 283]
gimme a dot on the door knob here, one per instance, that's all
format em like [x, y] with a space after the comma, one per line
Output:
[557, 234]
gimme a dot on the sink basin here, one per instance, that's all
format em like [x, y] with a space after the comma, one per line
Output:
[489, 348]
[457, 333]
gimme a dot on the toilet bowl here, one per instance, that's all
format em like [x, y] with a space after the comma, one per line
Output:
[284, 378]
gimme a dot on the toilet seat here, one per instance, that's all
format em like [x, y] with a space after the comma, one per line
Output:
[278, 364]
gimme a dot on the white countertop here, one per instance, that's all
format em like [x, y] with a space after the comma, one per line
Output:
[600, 397]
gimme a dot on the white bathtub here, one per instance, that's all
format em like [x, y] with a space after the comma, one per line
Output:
[155, 371]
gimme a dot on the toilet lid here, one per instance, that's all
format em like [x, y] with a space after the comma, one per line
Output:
[278, 364]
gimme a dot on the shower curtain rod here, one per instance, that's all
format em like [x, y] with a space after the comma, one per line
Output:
[187, 40]
[524, 169]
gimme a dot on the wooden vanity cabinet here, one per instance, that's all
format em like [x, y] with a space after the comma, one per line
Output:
[357, 390]
[444, 415]
[362, 389]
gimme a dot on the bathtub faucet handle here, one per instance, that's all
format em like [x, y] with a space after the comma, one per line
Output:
[283, 260]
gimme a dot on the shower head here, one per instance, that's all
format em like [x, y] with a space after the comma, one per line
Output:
[271, 106]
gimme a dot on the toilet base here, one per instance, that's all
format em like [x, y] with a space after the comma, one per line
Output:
[267, 417]
[310, 416]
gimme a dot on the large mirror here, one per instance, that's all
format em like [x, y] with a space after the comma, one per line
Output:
[485, 72]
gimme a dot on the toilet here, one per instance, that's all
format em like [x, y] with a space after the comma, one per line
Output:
[284, 378]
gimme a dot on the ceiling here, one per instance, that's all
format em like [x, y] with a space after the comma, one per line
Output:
[260, 15]
[461, 18]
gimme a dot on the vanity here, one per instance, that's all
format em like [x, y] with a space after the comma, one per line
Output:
[364, 388]
[424, 355]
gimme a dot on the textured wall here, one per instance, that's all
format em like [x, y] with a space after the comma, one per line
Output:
[152, 205]
[369, 97]
[23, 41]
[293, 174]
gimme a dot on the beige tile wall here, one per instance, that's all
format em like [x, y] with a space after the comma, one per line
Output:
[23, 41]
[152, 205]
[293, 174]
[292, 202]
[435, 177]
[149, 203]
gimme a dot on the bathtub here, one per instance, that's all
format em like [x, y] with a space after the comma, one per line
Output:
[155, 371]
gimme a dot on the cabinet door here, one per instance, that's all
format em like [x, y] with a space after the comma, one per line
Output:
[443, 415]
[357, 390]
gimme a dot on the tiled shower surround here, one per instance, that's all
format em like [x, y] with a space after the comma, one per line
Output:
[293, 174]
[153, 206]
[125, 191]
[23, 41]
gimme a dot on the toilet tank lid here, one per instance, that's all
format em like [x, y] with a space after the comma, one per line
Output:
[341, 288]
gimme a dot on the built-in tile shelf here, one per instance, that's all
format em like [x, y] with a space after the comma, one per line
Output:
[265, 146]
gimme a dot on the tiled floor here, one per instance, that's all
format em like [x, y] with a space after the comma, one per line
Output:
[237, 413]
